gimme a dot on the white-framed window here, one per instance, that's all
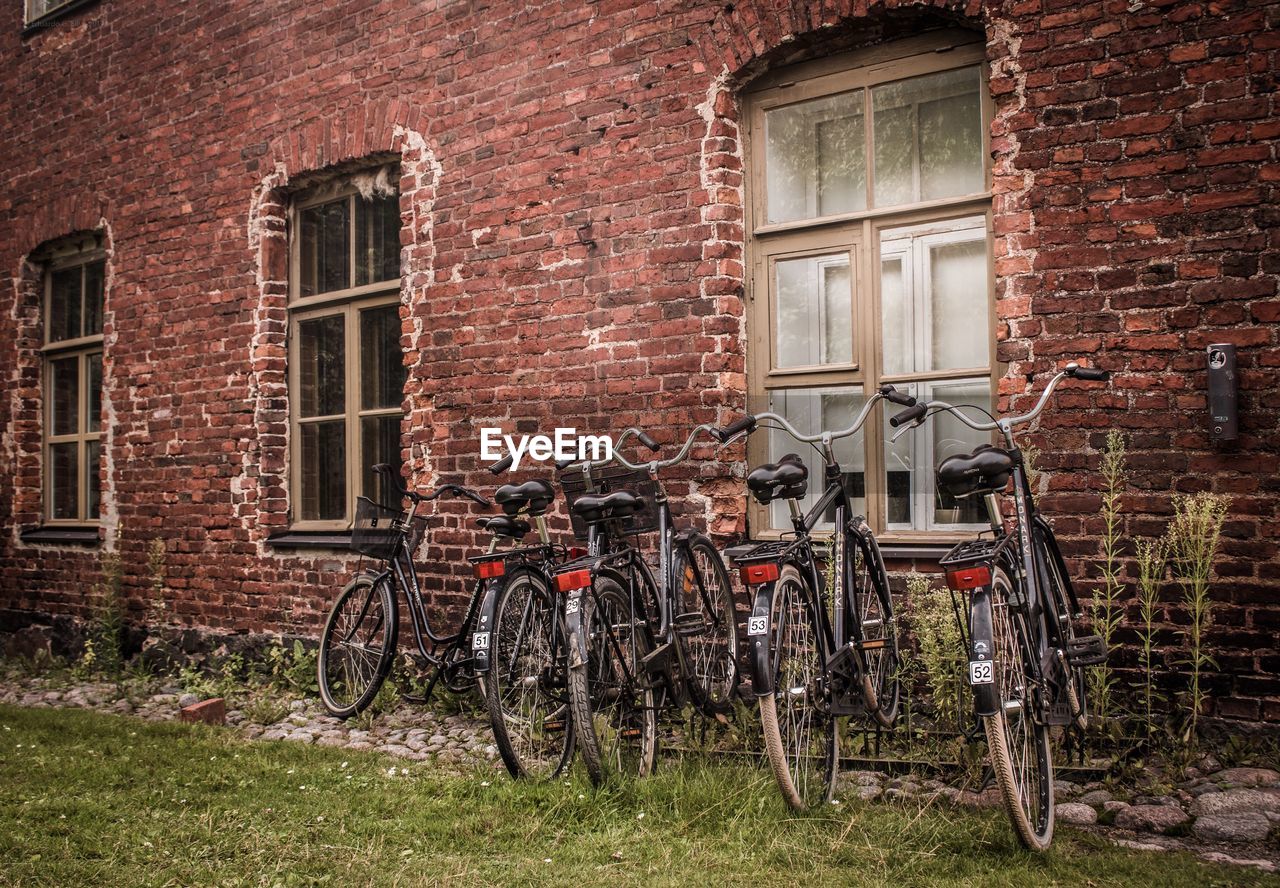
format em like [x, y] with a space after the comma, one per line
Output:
[870, 261]
[346, 365]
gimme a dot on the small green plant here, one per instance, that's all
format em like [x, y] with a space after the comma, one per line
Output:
[103, 652]
[292, 669]
[1193, 537]
[1030, 465]
[156, 570]
[1151, 571]
[940, 649]
[264, 709]
[1106, 607]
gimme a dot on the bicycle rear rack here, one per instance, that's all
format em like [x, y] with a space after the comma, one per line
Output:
[976, 551]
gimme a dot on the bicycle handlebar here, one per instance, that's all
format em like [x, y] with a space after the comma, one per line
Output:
[389, 472]
[749, 423]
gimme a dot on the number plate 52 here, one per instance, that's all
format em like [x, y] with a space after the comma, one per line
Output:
[981, 672]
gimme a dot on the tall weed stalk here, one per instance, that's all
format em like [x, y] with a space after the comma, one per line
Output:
[1152, 555]
[1106, 608]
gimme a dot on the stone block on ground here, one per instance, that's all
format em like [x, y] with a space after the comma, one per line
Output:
[1232, 828]
[1150, 818]
[1076, 813]
[208, 712]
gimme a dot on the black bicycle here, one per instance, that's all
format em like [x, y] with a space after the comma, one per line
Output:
[520, 641]
[1026, 663]
[819, 650]
[638, 645]
[358, 645]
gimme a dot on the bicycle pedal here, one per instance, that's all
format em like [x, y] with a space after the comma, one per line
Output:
[688, 624]
[553, 725]
[1088, 650]
[844, 662]
[629, 733]
[658, 658]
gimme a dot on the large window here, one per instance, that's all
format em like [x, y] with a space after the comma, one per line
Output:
[73, 285]
[870, 262]
[347, 369]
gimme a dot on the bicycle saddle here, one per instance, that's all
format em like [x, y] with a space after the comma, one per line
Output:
[504, 526]
[618, 504]
[986, 470]
[788, 479]
[535, 495]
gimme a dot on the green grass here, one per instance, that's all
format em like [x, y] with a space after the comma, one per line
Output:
[90, 799]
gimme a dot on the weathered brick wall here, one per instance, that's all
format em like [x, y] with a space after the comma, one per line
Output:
[573, 246]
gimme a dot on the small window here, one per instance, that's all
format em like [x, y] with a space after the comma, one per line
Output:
[870, 263]
[36, 10]
[347, 370]
[73, 387]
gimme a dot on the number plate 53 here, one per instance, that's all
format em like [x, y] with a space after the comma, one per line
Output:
[757, 625]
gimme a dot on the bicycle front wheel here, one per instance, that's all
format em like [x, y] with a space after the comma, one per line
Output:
[1017, 743]
[357, 646]
[525, 688]
[711, 654]
[801, 737]
[872, 606]
[611, 697]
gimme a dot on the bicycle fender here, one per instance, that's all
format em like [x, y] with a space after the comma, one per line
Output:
[481, 646]
[758, 635]
[573, 624]
[986, 699]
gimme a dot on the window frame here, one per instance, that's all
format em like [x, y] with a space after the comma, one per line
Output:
[860, 232]
[82, 349]
[348, 302]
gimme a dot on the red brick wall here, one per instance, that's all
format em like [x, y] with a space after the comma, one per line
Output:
[573, 245]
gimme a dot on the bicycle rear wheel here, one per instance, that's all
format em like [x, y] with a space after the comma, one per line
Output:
[1057, 583]
[872, 606]
[611, 697]
[525, 688]
[1017, 743]
[801, 738]
[711, 655]
[358, 646]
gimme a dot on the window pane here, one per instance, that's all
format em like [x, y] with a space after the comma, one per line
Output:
[322, 366]
[93, 274]
[951, 436]
[92, 452]
[815, 158]
[382, 370]
[928, 137]
[324, 471]
[914, 502]
[63, 480]
[815, 311]
[64, 304]
[377, 239]
[934, 298]
[812, 411]
[325, 253]
[380, 443]
[94, 419]
[64, 397]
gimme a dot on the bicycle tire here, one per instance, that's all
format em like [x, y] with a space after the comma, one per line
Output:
[614, 717]
[872, 606]
[372, 620]
[711, 656]
[1014, 736]
[529, 714]
[800, 734]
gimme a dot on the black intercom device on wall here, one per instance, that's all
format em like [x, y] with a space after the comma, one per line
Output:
[1223, 420]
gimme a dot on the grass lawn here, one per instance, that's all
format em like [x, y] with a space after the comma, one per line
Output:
[90, 799]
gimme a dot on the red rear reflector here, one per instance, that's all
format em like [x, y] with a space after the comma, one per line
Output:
[574, 579]
[576, 552]
[755, 574]
[487, 570]
[965, 578]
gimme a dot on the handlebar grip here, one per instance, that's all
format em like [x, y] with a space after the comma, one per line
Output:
[475, 497]
[911, 414]
[564, 463]
[891, 394]
[501, 465]
[1096, 374]
[745, 424]
[647, 442]
[389, 471]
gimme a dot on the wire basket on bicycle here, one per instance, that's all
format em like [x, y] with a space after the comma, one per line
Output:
[380, 530]
[608, 479]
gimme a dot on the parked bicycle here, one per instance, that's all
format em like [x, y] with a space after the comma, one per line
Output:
[358, 645]
[520, 643]
[1026, 663]
[638, 645]
[817, 653]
